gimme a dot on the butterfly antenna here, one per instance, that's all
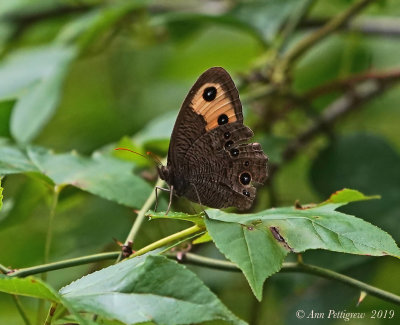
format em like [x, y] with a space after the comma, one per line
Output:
[152, 157]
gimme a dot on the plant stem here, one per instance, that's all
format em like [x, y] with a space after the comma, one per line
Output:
[329, 274]
[169, 239]
[63, 264]
[49, 235]
[211, 263]
[47, 247]
[331, 26]
[50, 315]
[140, 217]
[298, 267]
[295, 18]
[104, 256]
[21, 310]
[4, 269]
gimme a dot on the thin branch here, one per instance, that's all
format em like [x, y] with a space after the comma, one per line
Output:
[21, 310]
[350, 82]
[141, 216]
[297, 267]
[4, 269]
[345, 104]
[184, 234]
[63, 264]
[49, 237]
[50, 315]
[331, 26]
[170, 239]
[387, 27]
[294, 20]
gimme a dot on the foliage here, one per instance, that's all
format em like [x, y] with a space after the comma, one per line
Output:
[319, 89]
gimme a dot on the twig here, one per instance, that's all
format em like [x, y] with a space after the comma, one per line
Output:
[63, 264]
[21, 310]
[50, 315]
[306, 43]
[294, 20]
[184, 234]
[169, 239]
[345, 104]
[4, 269]
[49, 235]
[388, 27]
[47, 247]
[140, 217]
[348, 83]
[297, 267]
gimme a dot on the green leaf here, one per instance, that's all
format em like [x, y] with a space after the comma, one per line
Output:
[29, 286]
[24, 68]
[197, 219]
[101, 175]
[202, 239]
[348, 195]
[36, 288]
[37, 105]
[259, 242]
[347, 162]
[14, 161]
[147, 288]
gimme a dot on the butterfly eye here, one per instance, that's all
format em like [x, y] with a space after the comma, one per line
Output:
[245, 178]
[222, 119]
[247, 193]
[234, 152]
[209, 94]
[227, 135]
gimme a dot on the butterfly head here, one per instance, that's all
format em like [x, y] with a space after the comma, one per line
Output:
[164, 173]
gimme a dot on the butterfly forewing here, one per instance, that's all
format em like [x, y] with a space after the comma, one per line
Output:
[210, 160]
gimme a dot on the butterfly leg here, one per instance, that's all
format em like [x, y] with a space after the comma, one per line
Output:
[161, 189]
[171, 191]
[198, 197]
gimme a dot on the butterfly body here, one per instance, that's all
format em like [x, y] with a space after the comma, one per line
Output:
[210, 160]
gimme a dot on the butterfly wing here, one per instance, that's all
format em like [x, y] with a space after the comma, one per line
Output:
[210, 160]
[214, 94]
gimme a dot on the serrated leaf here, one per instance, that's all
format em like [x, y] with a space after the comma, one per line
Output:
[197, 219]
[348, 195]
[347, 162]
[147, 288]
[258, 242]
[101, 175]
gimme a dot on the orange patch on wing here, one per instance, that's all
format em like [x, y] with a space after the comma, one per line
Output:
[222, 104]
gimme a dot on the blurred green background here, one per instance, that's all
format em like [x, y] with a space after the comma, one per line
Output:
[90, 75]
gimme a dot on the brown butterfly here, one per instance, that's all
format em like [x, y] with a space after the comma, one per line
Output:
[209, 159]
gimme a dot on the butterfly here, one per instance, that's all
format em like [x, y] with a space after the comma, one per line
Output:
[210, 160]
